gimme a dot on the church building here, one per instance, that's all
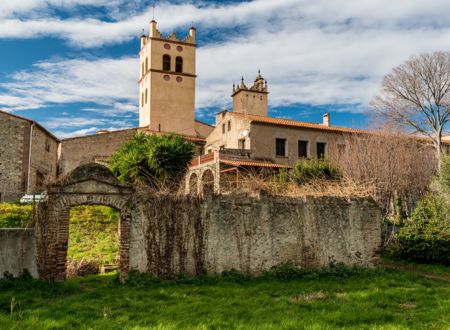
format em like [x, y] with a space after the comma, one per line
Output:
[244, 137]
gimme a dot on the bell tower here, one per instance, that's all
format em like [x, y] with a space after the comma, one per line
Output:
[167, 82]
[251, 100]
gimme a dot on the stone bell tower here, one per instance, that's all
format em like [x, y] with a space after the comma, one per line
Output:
[251, 100]
[167, 82]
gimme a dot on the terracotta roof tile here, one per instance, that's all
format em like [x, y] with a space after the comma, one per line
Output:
[294, 123]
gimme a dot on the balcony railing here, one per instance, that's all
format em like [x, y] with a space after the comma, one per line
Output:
[230, 154]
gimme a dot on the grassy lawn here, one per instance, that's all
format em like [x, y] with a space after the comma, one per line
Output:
[93, 234]
[439, 270]
[362, 299]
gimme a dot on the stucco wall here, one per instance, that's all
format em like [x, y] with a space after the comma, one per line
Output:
[263, 138]
[17, 251]
[251, 234]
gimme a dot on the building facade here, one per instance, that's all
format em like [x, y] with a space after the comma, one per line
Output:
[245, 137]
[28, 157]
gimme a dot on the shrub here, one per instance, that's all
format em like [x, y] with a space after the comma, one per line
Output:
[152, 160]
[425, 236]
[15, 215]
[306, 170]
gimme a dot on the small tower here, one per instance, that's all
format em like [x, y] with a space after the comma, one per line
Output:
[253, 100]
[167, 82]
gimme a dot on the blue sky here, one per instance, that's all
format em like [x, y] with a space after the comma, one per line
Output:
[72, 65]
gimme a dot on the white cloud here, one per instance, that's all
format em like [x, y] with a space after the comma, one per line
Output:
[108, 82]
[315, 52]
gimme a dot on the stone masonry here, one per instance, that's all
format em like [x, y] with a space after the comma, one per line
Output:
[165, 235]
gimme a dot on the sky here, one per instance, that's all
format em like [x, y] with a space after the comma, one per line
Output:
[72, 65]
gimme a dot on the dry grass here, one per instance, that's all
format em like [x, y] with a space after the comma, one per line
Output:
[345, 188]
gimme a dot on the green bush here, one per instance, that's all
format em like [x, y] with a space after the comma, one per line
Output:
[306, 170]
[425, 236]
[152, 160]
[15, 215]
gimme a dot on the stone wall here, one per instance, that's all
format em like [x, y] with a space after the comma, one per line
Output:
[14, 135]
[167, 234]
[17, 252]
[91, 148]
[251, 234]
[15, 155]
[44, 159]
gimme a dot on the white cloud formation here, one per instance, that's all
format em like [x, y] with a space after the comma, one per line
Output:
[108, 82]
[315, 52]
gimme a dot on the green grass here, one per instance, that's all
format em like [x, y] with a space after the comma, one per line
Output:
[14, 215]
[430, 268]
[93, 234]
[357, 300]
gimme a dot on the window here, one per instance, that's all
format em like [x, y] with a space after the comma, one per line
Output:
[321, 149]
[47, 145]
[302, 149]
[143, 69]
[341, 149]
[241, 143]
[142, 99]
[229, 125]
[166, 62]
[223, 128]
[39, 184]
[179, 64]
[280, 145]
[146, 64]
[146, 96]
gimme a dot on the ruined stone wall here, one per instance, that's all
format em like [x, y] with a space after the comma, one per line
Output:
[251, 234]
[14, 140]
[17, 252]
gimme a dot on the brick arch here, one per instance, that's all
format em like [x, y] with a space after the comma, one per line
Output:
[89, 184]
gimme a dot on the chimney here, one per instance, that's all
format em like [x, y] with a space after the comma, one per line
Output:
[326, 120]
[153, 30]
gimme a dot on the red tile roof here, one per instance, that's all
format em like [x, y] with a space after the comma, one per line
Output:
[294, 123]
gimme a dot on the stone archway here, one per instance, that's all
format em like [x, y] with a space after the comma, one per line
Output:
[207, 182]
[89, 184]
[193, 184]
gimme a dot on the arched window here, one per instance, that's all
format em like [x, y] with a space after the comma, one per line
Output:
[166, 62]
[146, 64]
[179, 64]
[146, 96]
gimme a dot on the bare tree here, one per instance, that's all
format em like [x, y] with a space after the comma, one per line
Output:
[416, 94]
[389, 165]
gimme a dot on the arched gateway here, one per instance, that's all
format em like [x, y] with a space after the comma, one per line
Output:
[90, 184]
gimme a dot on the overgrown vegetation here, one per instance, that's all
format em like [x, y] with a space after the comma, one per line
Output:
[318, 168]
[152, 160]
[336, 297]
[425, 236]
[14, 215]
[390, 166]
[93, 238]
